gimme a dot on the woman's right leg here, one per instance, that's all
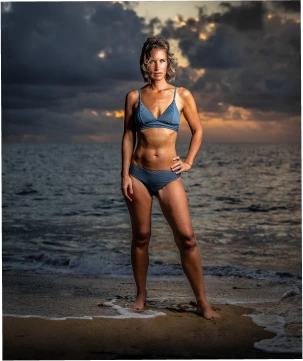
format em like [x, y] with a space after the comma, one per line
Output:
[140, 214]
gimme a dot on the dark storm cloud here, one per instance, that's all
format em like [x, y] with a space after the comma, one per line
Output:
[50, 60]
[250, 63]
[246, 17]
[53, 43]
[55, 85]
[288, 6]
[221, 50]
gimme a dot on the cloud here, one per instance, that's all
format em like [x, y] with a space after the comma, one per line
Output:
[247, 16]
[58, 43]
[66, 67]
[247, 58]
[51, 68]
[291, 6]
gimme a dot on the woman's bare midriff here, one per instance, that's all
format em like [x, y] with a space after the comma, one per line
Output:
[155, 148]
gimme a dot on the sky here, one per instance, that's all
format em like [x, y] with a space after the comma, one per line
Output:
[67, 66]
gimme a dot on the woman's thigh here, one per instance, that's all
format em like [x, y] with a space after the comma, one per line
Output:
[140, 208]
[174, 205]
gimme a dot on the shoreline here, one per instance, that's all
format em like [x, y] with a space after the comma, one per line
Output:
[97, 316]
[176, 335]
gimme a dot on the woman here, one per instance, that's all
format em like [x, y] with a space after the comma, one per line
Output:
[152, 117]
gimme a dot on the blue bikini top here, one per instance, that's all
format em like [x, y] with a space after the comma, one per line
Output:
[144, 119]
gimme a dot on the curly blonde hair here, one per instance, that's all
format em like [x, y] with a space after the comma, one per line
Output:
[157, 42]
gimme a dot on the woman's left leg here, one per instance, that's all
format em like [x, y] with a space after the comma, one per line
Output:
[174, 205]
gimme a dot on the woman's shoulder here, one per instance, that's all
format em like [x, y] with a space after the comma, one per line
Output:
[132, 96]
[132, 93]
[183, 92]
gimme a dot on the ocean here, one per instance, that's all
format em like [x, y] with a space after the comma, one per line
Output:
[63, 213]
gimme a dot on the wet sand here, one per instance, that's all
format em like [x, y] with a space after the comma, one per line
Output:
[178, 334]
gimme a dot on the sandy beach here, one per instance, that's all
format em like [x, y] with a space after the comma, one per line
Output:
[63, 317]
[176, 335]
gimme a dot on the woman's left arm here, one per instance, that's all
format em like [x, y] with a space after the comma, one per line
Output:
[192, 117]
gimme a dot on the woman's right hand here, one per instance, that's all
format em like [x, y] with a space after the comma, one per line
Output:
[126, 186]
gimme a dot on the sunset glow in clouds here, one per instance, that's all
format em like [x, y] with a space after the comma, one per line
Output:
[66, 67]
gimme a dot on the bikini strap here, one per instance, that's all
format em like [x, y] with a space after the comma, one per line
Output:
[175, 92]
[139, 95]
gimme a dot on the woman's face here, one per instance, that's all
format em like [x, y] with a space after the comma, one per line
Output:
[157, 64]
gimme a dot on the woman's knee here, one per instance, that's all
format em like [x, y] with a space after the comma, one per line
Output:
[186, 241]
[141, 238]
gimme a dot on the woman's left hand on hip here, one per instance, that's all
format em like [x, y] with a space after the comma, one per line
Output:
[180, 166]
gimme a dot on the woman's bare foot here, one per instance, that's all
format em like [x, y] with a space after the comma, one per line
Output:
[140, 301]
[206, 311]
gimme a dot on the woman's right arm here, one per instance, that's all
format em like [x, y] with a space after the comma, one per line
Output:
[128, 144]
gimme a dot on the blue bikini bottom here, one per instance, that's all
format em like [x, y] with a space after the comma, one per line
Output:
[153, 179]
